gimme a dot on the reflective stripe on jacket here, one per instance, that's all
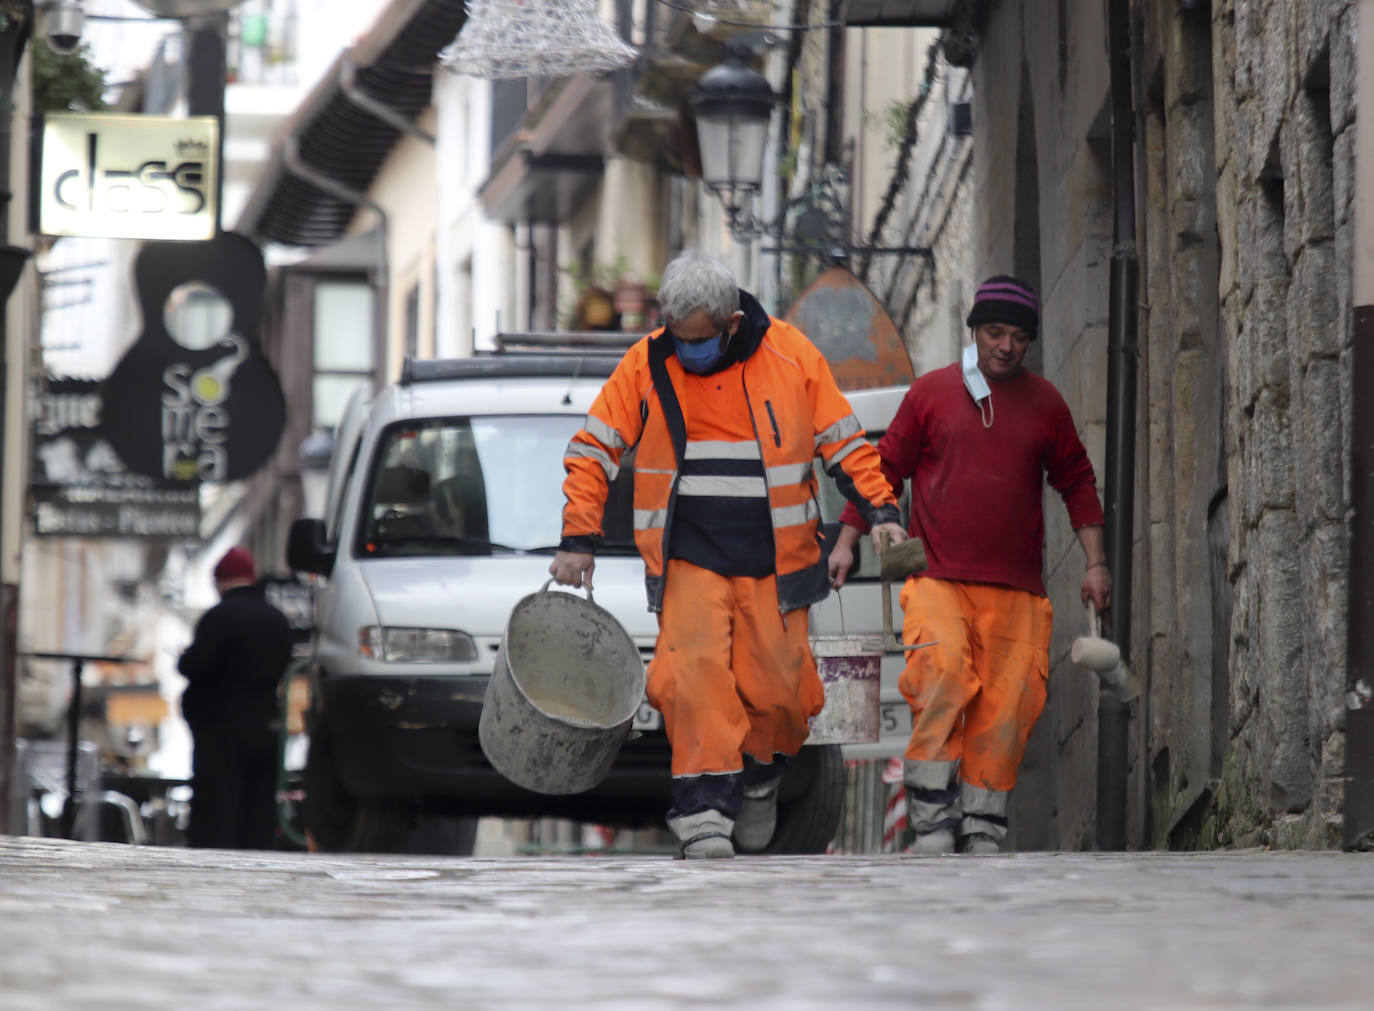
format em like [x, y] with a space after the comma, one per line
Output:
[798, 413]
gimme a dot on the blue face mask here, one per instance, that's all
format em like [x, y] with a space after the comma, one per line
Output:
[700, 356]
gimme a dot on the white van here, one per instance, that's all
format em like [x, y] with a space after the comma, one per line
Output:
[444, 510]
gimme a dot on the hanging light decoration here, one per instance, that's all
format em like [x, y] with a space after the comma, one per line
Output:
[535, 38]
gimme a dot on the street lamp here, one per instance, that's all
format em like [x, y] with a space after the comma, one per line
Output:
[733, 103]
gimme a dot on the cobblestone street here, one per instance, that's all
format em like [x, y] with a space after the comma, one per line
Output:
[88, 925]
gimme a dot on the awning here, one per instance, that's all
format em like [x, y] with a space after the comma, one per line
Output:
[908, 13]
[549, 165]
[393, 64]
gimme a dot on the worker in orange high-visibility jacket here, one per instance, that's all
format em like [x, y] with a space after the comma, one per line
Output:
[727, 409]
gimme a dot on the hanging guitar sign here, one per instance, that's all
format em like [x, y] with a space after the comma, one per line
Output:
[853, 330]
[205, 410]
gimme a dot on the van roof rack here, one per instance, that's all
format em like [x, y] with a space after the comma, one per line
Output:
[608, 341]
[499, 365]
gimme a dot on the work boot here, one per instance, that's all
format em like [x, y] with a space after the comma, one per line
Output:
[932, 804]
[703, 836]
[979, 845]
[984, 823]
[927, 844]
[758, 816]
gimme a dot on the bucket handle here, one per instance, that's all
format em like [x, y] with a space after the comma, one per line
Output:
[549, 582]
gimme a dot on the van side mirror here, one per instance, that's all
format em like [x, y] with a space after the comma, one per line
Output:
[306, 549]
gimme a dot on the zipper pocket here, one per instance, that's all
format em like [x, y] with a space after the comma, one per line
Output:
[773, 420]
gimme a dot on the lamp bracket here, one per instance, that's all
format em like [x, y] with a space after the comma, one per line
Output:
[814, 223]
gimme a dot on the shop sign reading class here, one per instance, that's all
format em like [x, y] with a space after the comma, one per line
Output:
[128, 177]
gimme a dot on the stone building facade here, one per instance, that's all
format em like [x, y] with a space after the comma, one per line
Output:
[1244, 181]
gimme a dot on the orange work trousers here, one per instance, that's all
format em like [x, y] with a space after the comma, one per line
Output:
[731, 674]
[976, 695]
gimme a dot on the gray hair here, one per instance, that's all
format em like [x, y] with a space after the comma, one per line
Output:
[695, 281]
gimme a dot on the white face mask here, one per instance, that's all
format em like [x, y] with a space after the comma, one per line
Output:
[974, 379]
[976, 383]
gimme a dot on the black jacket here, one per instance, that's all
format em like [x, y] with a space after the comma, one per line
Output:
[235, 662]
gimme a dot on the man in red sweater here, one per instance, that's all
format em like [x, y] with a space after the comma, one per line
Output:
[977, 439]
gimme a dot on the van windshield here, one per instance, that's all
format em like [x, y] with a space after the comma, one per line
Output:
[479, 485]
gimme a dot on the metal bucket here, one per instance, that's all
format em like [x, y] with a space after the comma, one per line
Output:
[567, 683]
[850, 667]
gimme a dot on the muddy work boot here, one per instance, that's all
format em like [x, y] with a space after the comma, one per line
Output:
[758, 816]
[984, 823]
[932, 805]
[978, 845]
[934, 842]
[703, 836]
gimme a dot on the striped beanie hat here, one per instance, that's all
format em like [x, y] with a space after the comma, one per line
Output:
[1006, 299]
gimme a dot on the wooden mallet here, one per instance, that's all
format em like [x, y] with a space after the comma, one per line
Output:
[896, 563]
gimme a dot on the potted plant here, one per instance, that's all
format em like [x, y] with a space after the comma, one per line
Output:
[613, 297]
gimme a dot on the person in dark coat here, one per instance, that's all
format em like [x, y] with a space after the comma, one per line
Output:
[233, 667]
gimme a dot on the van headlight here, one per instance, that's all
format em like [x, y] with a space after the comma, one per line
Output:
[392, 644]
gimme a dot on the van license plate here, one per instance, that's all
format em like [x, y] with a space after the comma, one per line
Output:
[647, 718]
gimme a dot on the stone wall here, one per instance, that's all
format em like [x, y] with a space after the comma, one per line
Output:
[1245, 160]
[1183, 605]
[1285, 77]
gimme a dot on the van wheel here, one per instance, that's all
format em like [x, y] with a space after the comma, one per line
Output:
[338, 822]
[809, 801]
[331, 812]
[382, 827]
[396, 827]
[442, 835]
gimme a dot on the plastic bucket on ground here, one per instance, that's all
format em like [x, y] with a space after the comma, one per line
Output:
[851, 670]
[567, 683]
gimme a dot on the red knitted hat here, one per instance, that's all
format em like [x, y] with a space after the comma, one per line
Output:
[237, 563]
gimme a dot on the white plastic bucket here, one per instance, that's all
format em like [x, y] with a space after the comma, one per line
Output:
[851, 672]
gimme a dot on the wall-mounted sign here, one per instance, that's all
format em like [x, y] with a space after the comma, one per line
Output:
[210, 410]
[853, 330]
[128, 177]
[80, 486]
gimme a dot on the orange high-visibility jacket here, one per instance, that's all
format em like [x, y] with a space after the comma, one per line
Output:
[797, 411]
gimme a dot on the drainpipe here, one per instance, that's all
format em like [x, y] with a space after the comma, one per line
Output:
[1113, 714]
[297, 166]
[1359, 716]
[348, 84]
[379, 110]
[14, 35]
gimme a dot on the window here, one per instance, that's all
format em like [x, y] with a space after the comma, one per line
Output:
[344, 345]
[412, 323]
[477, 486]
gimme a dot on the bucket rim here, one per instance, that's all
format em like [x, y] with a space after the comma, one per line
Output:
[543, 593]
[846, 645]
